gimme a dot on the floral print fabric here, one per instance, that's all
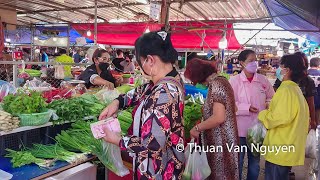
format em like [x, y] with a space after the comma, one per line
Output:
[158, 129]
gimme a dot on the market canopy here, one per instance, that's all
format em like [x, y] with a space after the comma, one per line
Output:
[184, 34]
[293, 19]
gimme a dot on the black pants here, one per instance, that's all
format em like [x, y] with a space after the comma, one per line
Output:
[276, 172]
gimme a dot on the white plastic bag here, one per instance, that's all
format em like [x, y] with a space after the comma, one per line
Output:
[112, 159]
[59, 72]
[311, 145]
[107, 96]
[256, 136]
[197, 167]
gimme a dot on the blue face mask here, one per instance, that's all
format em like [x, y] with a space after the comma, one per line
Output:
[278, 74]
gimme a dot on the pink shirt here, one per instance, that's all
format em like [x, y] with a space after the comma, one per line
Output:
[257, 94]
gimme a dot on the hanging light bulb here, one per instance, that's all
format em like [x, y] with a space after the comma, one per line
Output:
[54, 39]
[88, 33]
[280, 52]
[8, 40]
[36, 38]
[147, 30]
[223, 43]
[291, 49]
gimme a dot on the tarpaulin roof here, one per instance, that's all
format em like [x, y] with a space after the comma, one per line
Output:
[308, 10]
[289, 20]
[184, 34]
[23, 35]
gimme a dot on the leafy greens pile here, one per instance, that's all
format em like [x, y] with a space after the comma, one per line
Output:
[77, 108]
[24, 102]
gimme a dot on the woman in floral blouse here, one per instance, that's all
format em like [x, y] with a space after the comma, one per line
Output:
[157, 124]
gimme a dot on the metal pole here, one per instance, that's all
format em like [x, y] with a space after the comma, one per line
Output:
[95, 21]
[32, 42]
[15, 75]
[68, 33]
[167, 15]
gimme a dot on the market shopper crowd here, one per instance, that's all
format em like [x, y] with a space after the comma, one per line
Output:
[287, 111]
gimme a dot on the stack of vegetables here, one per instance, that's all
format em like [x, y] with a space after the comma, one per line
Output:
[8, 122]
[21, 158]
[77, 108]
[192, 114]
[56, 152]
[80, 138]
[24, 102]
[125, 119]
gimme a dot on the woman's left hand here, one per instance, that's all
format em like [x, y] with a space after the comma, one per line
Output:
[111, 136]
[194, 133]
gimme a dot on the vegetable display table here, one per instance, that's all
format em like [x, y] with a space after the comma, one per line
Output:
[33, 171]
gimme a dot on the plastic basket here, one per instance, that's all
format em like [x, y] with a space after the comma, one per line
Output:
[35, 119]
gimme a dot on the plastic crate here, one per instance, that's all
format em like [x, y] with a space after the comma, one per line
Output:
[10, 141]
[31, 137]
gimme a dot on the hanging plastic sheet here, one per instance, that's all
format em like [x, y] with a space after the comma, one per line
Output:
[289, 20]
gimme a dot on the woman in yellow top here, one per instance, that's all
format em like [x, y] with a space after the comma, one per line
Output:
[287, 121]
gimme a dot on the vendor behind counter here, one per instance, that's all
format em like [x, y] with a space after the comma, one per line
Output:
[98, 73]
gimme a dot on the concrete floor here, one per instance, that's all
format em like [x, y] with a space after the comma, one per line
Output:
[301, 172]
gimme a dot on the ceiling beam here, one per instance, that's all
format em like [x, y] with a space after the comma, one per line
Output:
[42, 14]
[24, 22]
[9, 9]
[197, 11]
[99, 6]
[80, 11]
[118, 4]
[82, 7]
[34, 18]
[186, 15]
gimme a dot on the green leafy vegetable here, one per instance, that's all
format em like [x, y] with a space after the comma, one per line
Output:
[192, 113]
[124, 89]
[55, 152]
[77, 108]
[21, 158]
[24, 102]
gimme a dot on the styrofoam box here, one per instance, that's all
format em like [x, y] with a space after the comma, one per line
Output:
[5, 176]
[86, 171]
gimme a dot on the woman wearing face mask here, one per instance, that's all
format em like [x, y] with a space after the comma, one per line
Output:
[253, 93]
[159, 104]
[287, 121]
[307, 86]
[219, 126]
[98, 73]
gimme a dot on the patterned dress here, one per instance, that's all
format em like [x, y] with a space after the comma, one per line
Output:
[223, 164]
[157, 130]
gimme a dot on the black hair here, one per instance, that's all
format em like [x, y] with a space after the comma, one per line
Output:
[315, 62]
[119, 51]
[296, 65]
[62, 51]
[304, 58]
[244, 54]
[98, 53]
[153, 44]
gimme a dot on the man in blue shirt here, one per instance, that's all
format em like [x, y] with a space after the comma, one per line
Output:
[314, 67]
[44, 56]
